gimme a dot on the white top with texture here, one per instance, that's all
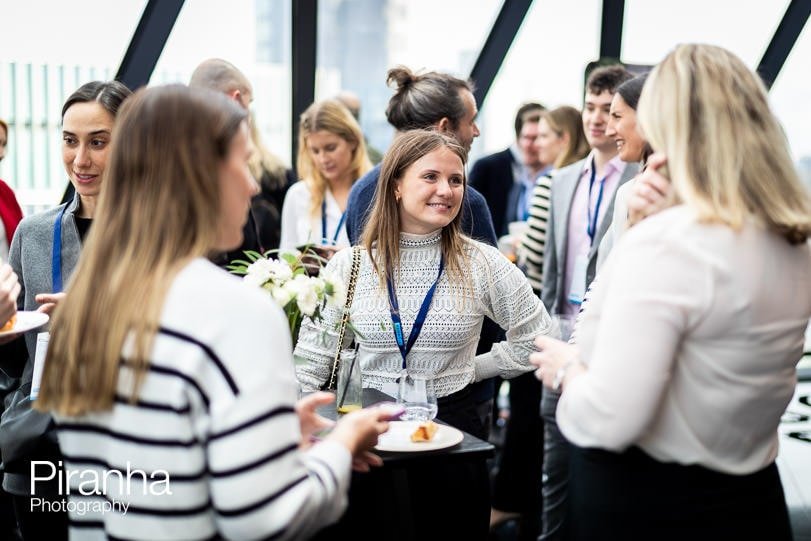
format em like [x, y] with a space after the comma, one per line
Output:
[300, 227]
[446, 348]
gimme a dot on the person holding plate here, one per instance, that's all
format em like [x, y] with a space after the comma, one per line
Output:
[187, 373]
[331, 157]
[44, 252]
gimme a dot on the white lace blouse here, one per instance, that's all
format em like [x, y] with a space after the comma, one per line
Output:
[446, 347]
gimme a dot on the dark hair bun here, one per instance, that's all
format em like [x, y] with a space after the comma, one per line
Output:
[401, 77]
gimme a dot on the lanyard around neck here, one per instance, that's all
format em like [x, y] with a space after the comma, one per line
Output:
[396, 322]
[56, 253]
[591, 226]
[324, 224]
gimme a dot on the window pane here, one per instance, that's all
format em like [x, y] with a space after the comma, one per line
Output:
[789, 98]
[67, 45]
[254, 35]
[653, 27]
[545, 63]
[359, 40]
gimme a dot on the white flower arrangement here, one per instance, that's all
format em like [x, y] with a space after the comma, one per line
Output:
[288, 282]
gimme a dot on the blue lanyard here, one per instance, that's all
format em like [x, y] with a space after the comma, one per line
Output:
[591, 226]
[396, 322]
[56, 253]
[324, 224]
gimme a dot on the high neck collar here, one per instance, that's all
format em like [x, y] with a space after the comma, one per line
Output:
[417, 241]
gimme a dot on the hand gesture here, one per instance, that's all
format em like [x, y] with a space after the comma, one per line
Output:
[651, 190]
[552, 355]
[48, 301]
[310, 421]
[358, 432]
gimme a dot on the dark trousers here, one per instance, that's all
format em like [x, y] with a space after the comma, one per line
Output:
[555, 470]
[630, 496]
[8, 519]
[517, 483]
[38, 525]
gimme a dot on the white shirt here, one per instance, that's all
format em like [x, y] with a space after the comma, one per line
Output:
[692, 335]
[215, 411]
[300, 227]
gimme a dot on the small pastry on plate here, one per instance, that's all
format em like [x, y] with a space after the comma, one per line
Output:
[425, 431]
[9, 324]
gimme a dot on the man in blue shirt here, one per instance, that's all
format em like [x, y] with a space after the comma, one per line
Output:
[427, 101]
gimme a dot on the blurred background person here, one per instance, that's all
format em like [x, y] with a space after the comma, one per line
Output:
[506, 178]
[581, 205]
[351, 101]
[44, 254]
[561, 142]
[274, 180]
[10, 211]
[222, 76]
[331, 157]
[701, 311]
[190, 374]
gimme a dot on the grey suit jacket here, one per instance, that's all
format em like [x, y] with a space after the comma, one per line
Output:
[564, 184]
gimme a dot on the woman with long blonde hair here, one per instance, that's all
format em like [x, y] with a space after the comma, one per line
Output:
[687, 353]
[160, 362]
[331, 157]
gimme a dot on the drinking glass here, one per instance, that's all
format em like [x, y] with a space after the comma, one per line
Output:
[416, 393]
[349, 390]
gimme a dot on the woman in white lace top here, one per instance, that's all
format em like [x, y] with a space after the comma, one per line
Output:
[413, 228]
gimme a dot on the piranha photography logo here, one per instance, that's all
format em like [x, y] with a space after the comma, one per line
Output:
[110, 488]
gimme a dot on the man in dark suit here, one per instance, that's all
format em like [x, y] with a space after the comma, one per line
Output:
[506, 178]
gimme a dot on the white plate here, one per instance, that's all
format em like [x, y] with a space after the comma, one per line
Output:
[27, 321]
[398, 438]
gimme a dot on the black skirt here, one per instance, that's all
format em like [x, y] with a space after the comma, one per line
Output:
[631, 496]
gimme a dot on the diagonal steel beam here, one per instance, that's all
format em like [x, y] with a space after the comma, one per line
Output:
[783, 40]
[305, 28]
[147, 42]
[611, 28]
[497, 45]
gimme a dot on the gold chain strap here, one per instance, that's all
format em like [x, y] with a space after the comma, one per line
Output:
[350, 292]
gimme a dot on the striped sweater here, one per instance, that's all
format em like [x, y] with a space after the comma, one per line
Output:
[213, 430]
[532, 245]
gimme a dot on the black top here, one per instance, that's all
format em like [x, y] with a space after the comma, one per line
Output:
[83, 225]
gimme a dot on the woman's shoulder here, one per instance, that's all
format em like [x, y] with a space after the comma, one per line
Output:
[299, 191]
[40, 221]
[203, 298]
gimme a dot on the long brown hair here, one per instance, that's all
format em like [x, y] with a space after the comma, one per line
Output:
[382, 232]
[161, 190]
